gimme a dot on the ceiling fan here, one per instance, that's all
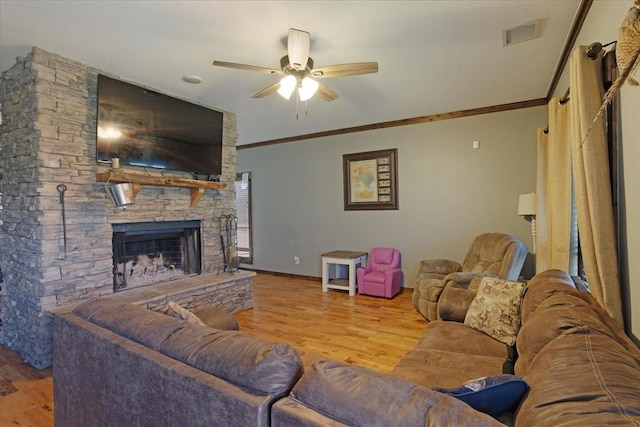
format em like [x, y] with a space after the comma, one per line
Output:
[298, 72]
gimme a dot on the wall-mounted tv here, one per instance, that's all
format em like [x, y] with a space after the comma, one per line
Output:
[145, 128]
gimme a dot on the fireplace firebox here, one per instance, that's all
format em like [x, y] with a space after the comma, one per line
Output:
[145, 253]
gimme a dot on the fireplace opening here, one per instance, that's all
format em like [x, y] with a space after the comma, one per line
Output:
[145, 253]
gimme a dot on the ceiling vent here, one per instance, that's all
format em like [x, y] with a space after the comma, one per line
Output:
[522, 33]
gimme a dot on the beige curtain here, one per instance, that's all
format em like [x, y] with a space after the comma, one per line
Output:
[553, 189]
[592, 184]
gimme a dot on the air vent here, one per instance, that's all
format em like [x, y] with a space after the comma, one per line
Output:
[522, 33]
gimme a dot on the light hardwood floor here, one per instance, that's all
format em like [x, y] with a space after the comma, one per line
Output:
[363, 330]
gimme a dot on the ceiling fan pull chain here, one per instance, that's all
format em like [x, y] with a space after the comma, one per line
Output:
[297, 104]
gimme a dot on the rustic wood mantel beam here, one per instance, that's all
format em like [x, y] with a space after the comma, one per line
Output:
[195, 186]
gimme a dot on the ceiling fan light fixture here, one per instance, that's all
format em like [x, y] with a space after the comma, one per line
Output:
[287, 86]
[297, 66]
[307, 89]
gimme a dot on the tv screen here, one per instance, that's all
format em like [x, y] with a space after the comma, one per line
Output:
[146, 128]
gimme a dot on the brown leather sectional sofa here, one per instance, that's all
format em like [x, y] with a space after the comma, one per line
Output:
[120, 364]
[581, 367]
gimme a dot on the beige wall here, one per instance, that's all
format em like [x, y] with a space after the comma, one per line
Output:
[630, 99]
[602, 25]
[448, 191]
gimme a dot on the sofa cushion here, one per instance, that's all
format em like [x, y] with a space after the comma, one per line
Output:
[253, 363]
[204, 315]
[491, 395]
[216, 317]
[455, 337]
[579, 379]
[258, 365]
[355, 395]
[185, 314]
[560, 314]
[449, 353]
[495, 310]
[554, 308]
[578, 362]
[544, 285]
[131, 321]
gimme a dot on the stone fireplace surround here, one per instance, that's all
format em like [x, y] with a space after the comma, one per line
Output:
[47, 138]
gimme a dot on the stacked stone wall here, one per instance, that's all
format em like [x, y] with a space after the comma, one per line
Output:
[49, 106]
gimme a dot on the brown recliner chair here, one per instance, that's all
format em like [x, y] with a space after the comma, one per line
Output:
[491, 255]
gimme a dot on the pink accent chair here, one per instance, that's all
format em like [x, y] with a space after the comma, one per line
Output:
[382, 277]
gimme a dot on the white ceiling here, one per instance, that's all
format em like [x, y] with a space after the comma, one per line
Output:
[434, 56]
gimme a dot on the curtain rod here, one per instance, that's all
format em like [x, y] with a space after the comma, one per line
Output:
[592, 52]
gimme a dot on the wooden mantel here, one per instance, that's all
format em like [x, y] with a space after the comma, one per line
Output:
[195, 186]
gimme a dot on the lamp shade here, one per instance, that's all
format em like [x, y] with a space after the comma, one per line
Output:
[527, 204]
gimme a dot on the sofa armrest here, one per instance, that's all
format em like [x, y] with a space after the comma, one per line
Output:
[456, 299]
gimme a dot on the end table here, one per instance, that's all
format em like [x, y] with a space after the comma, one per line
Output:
[330, 265]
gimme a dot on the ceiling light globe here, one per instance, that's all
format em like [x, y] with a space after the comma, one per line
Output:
[308, 88]
[287, 86]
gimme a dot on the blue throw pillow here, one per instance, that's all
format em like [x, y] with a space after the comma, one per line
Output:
[491, 395]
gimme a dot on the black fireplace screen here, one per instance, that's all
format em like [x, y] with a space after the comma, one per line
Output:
[145, 253]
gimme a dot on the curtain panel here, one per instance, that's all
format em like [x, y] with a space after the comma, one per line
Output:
[592, 183]
[554, 192]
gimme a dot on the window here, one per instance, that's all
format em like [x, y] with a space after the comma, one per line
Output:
[243, 208]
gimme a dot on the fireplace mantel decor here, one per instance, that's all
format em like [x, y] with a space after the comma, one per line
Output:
[195, 186]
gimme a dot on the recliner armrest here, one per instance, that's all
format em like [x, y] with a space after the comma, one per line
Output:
[394, 272]
[365, 270]
[456, 298]
[466, 277]
[439, 266]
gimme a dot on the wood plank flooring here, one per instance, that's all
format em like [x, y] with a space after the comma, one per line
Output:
[26, 394]
[363, 330]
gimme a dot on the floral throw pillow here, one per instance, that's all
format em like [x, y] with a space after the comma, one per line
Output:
[495, 310]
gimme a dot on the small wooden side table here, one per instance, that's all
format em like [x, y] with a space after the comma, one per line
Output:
[330, 270]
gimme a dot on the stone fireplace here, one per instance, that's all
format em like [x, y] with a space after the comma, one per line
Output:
[48, 138]
[145, 253]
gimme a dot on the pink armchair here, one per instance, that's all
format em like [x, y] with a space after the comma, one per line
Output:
[382, 277]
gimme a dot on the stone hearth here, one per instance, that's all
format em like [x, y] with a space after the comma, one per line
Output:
[48, 138]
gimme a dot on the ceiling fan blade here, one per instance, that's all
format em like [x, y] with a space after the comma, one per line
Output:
[267, 91]
[326, 93]
[246, 67]
[298, 45]
[344, 70]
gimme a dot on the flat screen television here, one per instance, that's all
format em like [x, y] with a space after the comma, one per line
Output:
[149, 129]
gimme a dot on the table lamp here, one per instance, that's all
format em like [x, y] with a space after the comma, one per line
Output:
[527, 204]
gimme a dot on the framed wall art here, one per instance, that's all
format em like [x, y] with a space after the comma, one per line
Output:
[370, 180]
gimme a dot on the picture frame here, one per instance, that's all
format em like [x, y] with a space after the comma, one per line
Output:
[370, 180]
